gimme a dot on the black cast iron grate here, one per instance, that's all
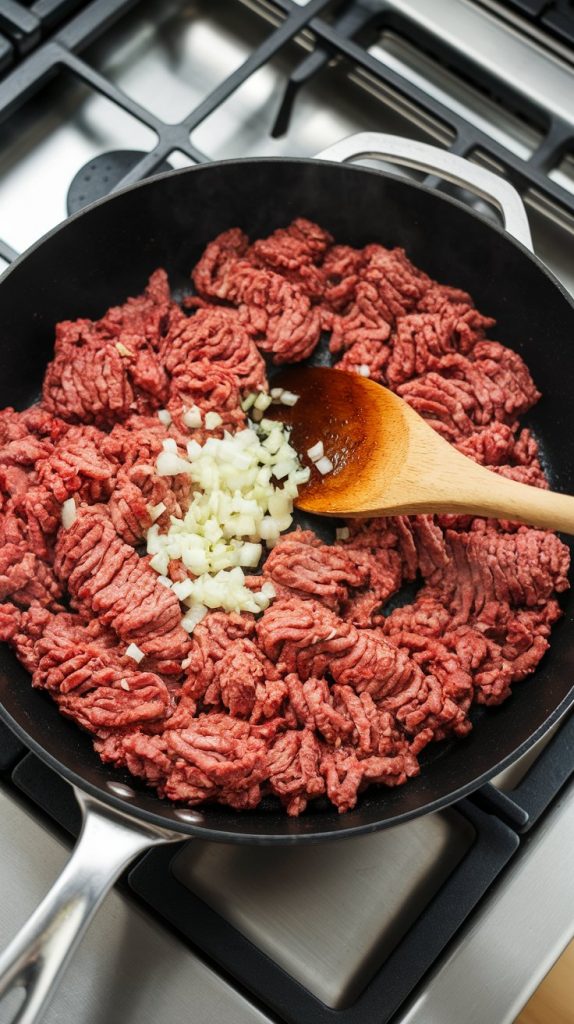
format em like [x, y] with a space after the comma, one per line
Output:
[38, 39]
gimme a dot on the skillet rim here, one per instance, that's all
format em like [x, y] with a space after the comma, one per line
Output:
[285, 838]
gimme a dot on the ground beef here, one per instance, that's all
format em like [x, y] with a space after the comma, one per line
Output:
[305, 638]
[33, 518]
[22, 628]
[521, 569]
[105, 577]
[216, 758]
[209, 386]
[96, 378]
[420, 340]
[297, 253]
[26, 579]
[327, 692]
[77, 465]
[293, 769]
[214, 334]
[145, 317]
[302, 564]
[92, 681]
[139, 440]
[465, 393]
[388, 287]
[341, 268]
[278, 313]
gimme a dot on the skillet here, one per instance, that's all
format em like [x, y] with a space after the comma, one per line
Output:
[106, 252]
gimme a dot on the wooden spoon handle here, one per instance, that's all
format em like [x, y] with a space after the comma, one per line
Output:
[439, 479]
[484, 493]
[456, 484]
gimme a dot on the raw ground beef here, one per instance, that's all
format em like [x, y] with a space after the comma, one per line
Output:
[326, 692]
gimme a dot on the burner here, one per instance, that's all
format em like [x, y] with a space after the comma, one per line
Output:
[101, 175]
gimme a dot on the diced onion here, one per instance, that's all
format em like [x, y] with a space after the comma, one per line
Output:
[363, 370]
[160, 562]
[192, 417]
[123, 351]
[165, 581]
[156, 511]
[276, 392]
[262, 402]
[124, 684]
[288, 398]
[242, 494]
[248, 401]
[68, 513]
[342, 533]
[212, 420]
[324, 465]
[191, 618]
[134, 652]
[183, 589]
[164, 416]
[316, 452]
[249, 555]
[193, 449]
[169, 445]
[170, 464]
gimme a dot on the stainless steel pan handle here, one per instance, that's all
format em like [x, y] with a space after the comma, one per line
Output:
[36, 958]
[422, 157]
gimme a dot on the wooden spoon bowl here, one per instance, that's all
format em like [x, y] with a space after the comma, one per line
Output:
[388, 461]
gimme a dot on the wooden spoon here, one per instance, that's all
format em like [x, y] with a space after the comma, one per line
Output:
[388, 461]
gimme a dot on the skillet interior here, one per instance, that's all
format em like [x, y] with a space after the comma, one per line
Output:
[104, 254]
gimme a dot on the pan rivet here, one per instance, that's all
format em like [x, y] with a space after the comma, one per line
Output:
[120, 789]
[193, 817]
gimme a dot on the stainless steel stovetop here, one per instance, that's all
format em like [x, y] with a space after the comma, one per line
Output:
[328, 916]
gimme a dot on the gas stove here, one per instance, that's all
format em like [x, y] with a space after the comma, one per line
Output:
[454, 916]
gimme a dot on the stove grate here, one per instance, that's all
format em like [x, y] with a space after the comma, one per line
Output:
[39, 39]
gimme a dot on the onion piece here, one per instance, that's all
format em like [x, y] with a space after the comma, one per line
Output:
[263, 401]
[133, 651]
[288, 398]
[196, 613]
[183, 589]
[236, 508]
[192, 417]
[164, 416]
[324, 465]
[212, 420]
[316, 452]
[342, 533]
[364, 370]
[156, 511]
[68, 513]
[248, 401]
[170, 464]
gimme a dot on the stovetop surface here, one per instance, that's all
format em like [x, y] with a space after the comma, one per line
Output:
[104, 94]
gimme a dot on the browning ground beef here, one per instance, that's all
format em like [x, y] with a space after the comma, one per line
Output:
[326, 692]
